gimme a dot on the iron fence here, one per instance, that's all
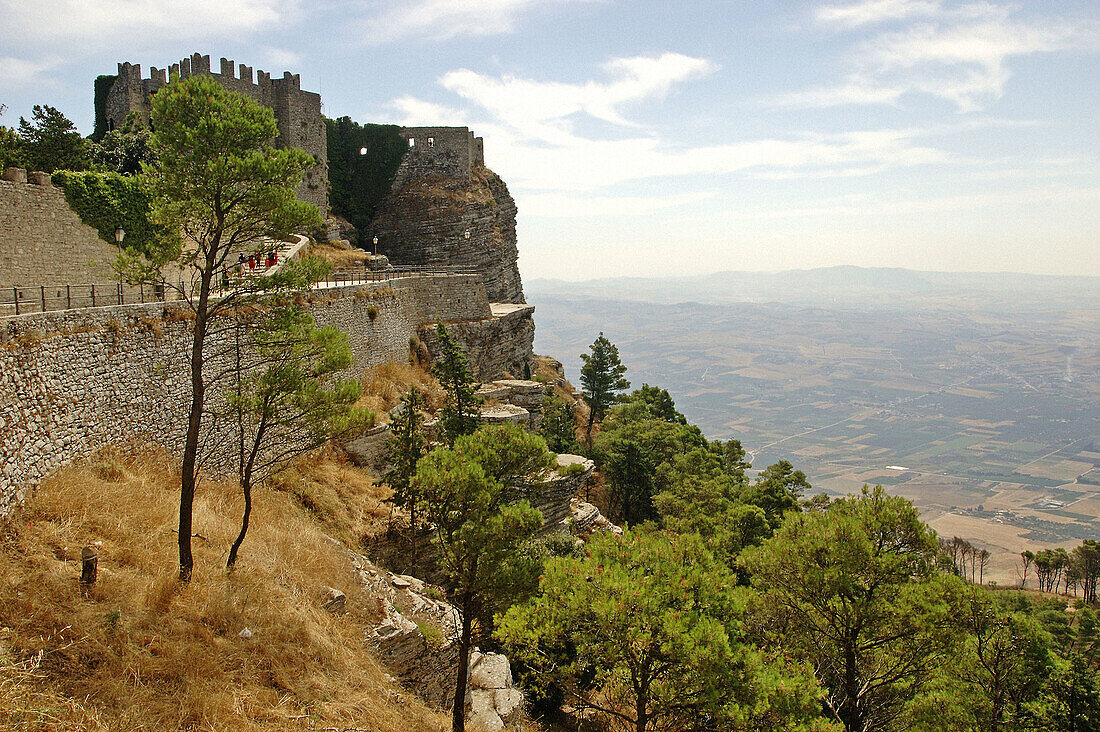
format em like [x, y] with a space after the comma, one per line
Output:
[19, 300]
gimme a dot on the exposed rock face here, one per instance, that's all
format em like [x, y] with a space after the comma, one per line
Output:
[497, 347]
[425, 220]
[565, 481]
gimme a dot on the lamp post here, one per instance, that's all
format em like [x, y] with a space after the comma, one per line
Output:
[375, 252]
[120, 234]
[466, 234]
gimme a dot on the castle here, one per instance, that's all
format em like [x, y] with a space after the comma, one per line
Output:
[297, 112]
[449, 151]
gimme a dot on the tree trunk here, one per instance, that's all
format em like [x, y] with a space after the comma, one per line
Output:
[194, 417]
[458, 714]
[246, 488]
[191, 444]
[853, 721]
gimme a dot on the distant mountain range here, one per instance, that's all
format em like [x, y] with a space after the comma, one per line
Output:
[845, 287]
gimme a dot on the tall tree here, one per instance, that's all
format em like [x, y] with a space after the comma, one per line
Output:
[407, 446]
[602, 380]
[51, 142]
[777, 490]
[286, 400]
[220, 184]
[855, 592]
[459, 415]
[645, 632]
[475, 496]
[559, 424]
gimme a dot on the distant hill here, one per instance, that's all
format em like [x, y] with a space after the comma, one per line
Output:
[846, 287]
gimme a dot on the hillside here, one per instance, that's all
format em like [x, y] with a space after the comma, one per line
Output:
[138, 651]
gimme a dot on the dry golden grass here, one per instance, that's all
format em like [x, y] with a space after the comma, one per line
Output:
[341, 497]
[384, 385]
[339, 257]
[139, 651]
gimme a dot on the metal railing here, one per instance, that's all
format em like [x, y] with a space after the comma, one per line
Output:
[42, 298]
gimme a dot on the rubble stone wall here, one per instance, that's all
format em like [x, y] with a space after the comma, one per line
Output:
[73, 381]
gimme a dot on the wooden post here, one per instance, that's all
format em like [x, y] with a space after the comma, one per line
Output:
[42, 294]
[88, 566]
[68, 297]
[15, 296]
[93, 295]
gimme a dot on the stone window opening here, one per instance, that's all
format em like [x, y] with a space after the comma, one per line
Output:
[412, 142]
[431, 142]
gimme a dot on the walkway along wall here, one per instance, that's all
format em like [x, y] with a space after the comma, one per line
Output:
[74, 381]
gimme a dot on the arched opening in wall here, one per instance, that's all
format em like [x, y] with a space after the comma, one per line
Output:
[431, 142]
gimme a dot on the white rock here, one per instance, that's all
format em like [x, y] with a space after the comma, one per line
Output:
[508, 702]
[490, 671]
[245, 634]
[482, 711]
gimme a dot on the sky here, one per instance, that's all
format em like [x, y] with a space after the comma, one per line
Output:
[643, 137]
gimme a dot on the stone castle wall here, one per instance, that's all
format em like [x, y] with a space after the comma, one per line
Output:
[74, 381]
[297, 112]
[448, 151]
[43, 241]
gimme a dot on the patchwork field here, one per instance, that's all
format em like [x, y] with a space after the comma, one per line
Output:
[988, 421]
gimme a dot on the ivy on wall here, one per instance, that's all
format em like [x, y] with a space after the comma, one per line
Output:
[359, 180]
[106, 201]
[103, 84]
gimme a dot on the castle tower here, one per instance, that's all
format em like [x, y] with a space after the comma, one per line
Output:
[297, 113]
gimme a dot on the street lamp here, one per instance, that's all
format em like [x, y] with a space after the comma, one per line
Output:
[120, 234]
[466, 234]
[375, 246]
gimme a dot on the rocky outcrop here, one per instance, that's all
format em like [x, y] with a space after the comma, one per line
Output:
[568, 478]
[497, 347]
[425, 221]
[418, 641]
[587, 520]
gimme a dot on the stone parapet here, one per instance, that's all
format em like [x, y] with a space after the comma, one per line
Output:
[74, 381]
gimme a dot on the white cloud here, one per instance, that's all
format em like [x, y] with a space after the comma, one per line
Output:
[559, 205]
[543, 110]
[19, 72]
[419, 113]
[100, 23]
[593, 164]
[959, 54]
[876, 11]
[442, 19]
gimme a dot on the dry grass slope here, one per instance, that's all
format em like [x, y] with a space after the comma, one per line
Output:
[141, 652]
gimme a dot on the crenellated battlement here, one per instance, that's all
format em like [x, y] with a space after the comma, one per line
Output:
[297, 112]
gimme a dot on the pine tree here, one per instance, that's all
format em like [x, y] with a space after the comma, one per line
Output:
[459, 415]
[603, 381]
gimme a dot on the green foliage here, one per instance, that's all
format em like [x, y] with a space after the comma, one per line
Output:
[855, 591]
[125, 150]
[360, 181]
[559, 424]
[602, 380]
[408, 444]
[702, 497]
[777, 490]
[1072, 700]
[286, 401]
[50, 142]
[103, 84]
[659, 402]
[11, 149]
[629, 471]
[473, 494]
[106, 201]
[646, 633]
[459, 415]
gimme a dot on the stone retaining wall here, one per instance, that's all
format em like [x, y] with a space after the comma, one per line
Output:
[74, 381]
